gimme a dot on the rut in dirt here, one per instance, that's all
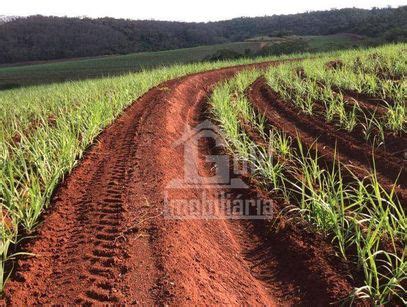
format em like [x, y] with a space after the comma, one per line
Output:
[105, 240]
[331, 142]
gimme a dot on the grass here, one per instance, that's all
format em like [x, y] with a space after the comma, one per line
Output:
[313, 82]
[365, 222]
[79, 69]
[336, 42]
[59, 71]
[321, 43]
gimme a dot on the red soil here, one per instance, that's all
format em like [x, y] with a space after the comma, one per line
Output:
[105, 239]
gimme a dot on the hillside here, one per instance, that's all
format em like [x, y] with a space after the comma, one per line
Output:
[47, 38]
[40, 72]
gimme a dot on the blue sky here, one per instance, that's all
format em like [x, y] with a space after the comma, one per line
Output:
[180, 10]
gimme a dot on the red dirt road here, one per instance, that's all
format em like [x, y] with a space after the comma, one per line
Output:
[105, 240]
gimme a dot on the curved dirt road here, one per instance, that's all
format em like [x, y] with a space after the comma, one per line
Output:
[105, 240]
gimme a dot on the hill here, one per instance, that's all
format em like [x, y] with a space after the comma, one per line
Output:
[23, 74]
[48, 38]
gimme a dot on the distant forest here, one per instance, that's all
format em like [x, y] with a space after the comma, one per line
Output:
[47, 38]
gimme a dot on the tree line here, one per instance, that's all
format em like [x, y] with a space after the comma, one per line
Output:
[47, 38]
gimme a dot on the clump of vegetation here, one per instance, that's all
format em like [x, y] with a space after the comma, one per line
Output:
[224, 54]
[285, 47]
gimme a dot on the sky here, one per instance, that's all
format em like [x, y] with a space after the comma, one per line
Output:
[178, 10]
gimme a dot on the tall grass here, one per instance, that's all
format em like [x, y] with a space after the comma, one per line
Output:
[365, 222]
[305, 93]
[377, 73]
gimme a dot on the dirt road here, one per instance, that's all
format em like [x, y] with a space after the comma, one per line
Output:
[106, 239]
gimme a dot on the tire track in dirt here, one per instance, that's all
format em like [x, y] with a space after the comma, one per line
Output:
[80, 252]
[105, 239]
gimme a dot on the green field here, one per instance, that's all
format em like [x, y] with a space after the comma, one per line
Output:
[336, 41]
[60, 71]
[321, 43]
[110, 65]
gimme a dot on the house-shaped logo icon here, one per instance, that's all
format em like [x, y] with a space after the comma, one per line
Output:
[190, 142]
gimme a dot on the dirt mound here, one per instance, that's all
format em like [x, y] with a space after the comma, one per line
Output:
[338, 64]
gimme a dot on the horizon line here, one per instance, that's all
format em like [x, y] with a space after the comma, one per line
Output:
[207, 21]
